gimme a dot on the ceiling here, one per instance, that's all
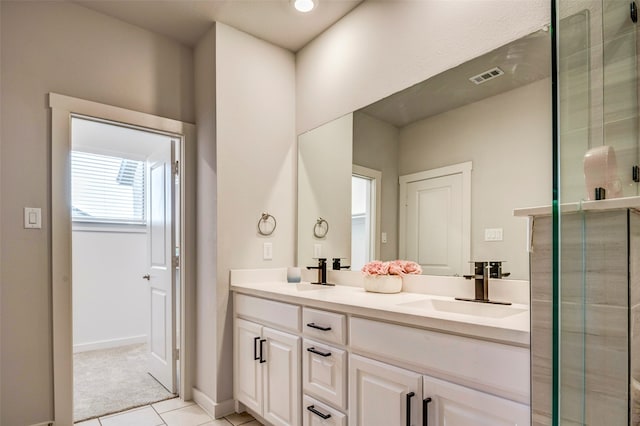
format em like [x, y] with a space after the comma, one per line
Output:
[523, 61]
[186, 21]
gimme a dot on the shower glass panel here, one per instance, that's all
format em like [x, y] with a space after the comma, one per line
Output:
[594, 266]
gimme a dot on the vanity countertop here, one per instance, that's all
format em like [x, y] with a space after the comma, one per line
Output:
[402, 308]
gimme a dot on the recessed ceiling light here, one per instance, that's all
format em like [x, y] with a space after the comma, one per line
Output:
[304, 5]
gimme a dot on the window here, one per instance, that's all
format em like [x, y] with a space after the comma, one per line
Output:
[107, 189]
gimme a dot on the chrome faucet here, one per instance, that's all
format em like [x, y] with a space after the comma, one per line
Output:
[322, 271]
[482, 272]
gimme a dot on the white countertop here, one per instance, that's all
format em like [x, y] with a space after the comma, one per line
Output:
[354, 300]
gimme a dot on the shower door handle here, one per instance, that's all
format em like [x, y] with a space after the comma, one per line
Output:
[146, 277]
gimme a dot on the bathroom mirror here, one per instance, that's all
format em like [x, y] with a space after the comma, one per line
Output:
[499, 126]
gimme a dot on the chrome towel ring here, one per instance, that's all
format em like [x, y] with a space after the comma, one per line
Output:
[263, 224]
[321, 228]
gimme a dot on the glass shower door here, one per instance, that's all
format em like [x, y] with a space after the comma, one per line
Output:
[596, 114]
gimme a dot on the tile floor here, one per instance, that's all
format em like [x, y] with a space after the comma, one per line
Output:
[172, 412]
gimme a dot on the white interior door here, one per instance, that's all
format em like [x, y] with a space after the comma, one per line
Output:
[435, 219]
[162, 340]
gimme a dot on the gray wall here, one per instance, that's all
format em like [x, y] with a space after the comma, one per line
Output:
[65, 48]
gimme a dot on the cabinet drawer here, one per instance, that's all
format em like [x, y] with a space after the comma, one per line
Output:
[493, 367]
[314, 411]
[324, 372]
[327, 326]
[282, 315]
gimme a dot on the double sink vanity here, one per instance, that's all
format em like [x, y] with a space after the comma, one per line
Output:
[337, 355]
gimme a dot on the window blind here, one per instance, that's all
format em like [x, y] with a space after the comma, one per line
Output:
[107, 189]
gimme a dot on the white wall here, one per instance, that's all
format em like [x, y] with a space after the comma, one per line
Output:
[256, 141]
[60, 47]
[508, 139]
[246, 149]
[110, 298]
[207, 221]
[382, 47]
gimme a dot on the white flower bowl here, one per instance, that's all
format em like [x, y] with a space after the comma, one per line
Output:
[383, 283]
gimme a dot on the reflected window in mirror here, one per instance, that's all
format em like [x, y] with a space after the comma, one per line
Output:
[365, 201]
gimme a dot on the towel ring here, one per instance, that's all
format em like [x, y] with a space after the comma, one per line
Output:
[321, 228]
[264, 219]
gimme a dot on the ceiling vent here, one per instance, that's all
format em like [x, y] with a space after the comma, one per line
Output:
[487, 75]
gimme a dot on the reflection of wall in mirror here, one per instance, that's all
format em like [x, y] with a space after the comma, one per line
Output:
[375, 145]
[511, 155]
[324, 190]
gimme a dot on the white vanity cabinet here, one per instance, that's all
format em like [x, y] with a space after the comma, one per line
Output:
[267, 364]
[487, 382]
[297, 365]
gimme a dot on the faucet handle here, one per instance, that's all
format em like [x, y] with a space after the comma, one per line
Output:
[495, 269]
[336, 264]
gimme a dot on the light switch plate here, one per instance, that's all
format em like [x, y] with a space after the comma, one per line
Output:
[317, 251]
[267, 251]
[493, 234]
[383, 238]
[32, 218]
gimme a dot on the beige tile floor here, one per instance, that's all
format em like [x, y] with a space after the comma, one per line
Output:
[172, 412]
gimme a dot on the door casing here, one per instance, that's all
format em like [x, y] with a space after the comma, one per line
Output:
[62, 109]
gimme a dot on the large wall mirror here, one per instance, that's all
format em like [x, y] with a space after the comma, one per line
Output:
[433, 173]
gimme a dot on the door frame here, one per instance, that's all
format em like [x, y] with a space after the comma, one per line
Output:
[461, 168]
[62, 108]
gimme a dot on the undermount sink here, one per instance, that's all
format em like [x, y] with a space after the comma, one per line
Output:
[309, 286]
[476, 309]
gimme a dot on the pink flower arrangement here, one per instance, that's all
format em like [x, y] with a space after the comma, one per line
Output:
[394, 267]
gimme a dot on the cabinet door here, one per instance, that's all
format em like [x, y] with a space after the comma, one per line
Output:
[379, 393]
[281, 378]
[247, 369]
[455, 405]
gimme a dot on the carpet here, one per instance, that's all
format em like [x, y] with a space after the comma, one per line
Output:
[111, 380]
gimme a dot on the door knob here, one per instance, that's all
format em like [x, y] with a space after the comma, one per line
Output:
[146, 277]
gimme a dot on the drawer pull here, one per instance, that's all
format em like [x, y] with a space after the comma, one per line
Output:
[409, 396]
[318, 327]
[425, 411]
[262, 361]
[317, 352]
[255, 348]
[312, 408]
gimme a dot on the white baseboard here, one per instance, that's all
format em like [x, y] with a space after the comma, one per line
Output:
[106, 344]
[214, 409]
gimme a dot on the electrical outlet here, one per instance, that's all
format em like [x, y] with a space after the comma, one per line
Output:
[267, 251]
[383, 238]
[317, 251]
